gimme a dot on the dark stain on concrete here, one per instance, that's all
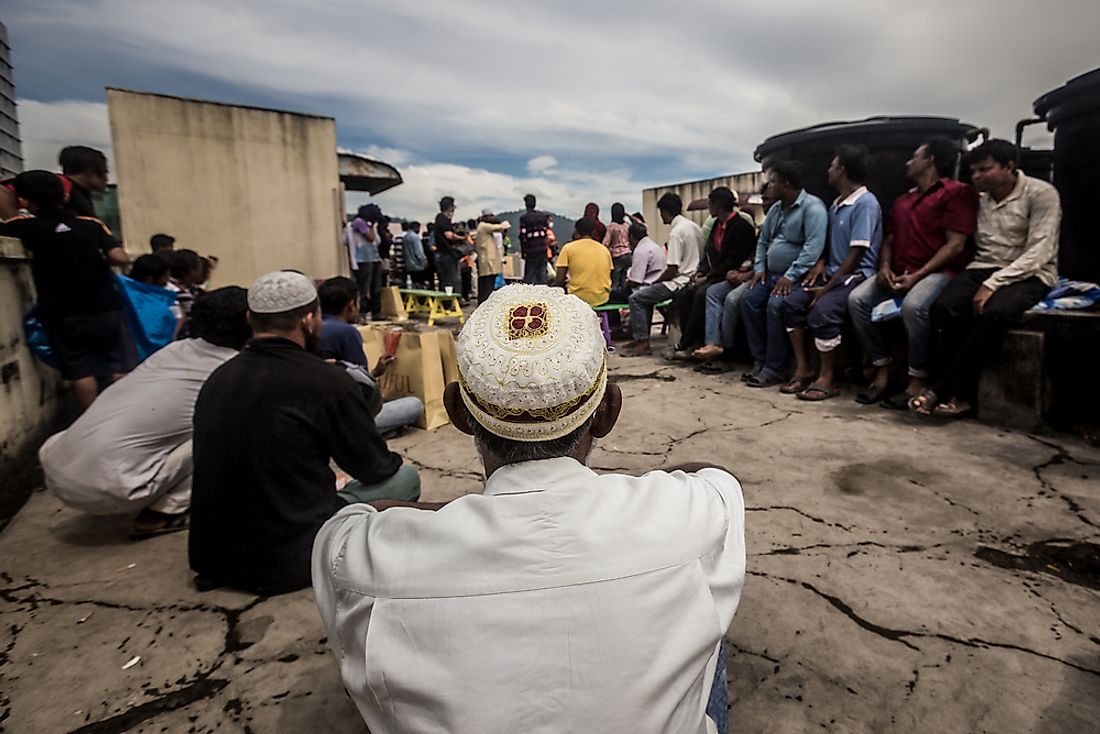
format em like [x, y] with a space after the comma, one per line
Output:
[1074, 562]
[887, 477]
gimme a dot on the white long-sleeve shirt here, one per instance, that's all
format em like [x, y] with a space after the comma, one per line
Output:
[558, 601]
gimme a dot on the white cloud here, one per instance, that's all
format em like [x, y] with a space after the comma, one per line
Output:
[542, 164]
[46, 128]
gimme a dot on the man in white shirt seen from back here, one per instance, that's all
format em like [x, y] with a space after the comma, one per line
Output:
[131, 451]
[560, 600]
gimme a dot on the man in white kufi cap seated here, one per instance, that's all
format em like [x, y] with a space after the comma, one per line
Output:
[267, 425]
[560, 600]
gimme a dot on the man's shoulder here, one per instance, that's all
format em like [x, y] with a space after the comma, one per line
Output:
[1039, 189]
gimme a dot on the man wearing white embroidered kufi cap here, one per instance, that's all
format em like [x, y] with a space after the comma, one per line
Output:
[268, 425]
[560, 599]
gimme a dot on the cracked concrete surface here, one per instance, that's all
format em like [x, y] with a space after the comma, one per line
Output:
[903, 577]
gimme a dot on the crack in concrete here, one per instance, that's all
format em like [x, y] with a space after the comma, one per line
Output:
[900, 636]
[1061, 456]
[808, 516]
[655, 375]
[797, 550]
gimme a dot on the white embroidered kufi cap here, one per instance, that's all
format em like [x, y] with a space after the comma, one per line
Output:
[279, 292]
[532, 363]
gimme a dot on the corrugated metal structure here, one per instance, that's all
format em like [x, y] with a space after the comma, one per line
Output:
[745, 184]
[11, 148]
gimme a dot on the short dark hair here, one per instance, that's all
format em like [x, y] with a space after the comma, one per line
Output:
[1001, 151]
[618, 212]
[723, 197]
[281, 322]
[77, 159]
[788, 171]
[184, 262]
[220, 317]
[514, 452]
[670, 203]
[855, 159]
[584, 226]
[149, 267]
[944, 154]
[637, 232]
[471, 224]
[41, 188]
[638, 215]
[529, 201]
[160, 242]
[336, 293]
[414, 225]
[447, 202]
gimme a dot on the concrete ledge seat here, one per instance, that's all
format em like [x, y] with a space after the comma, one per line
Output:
[1043, 373]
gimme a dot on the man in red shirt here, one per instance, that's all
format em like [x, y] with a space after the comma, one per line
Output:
[923, 249]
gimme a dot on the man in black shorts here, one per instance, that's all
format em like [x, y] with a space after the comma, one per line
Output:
[71, 259]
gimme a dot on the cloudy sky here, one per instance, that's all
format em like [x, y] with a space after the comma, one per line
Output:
[571, 100]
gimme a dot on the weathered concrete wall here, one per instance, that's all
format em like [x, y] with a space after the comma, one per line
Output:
[258, 188]
[745, 184]
[28, 389]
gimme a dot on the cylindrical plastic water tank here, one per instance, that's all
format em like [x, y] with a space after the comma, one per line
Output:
[1072, 112]
[891, 141]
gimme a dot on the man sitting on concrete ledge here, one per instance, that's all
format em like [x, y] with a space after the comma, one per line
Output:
[560, 600]
[341, 341]
[1016, 264]
[131, 450]
[267, 424]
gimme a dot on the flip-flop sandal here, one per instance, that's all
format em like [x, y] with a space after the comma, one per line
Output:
[871, 396]
[897, 401]
[924, 404]
[816, 393]
[715, 367]
[758, 381]
[796, 385]
[954, 409]
[174, 524]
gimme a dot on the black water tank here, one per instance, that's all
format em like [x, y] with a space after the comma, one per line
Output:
[1072, 112]
[1037, 163]
[891, 140]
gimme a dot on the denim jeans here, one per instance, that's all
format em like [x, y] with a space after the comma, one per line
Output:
[762, 314]
[620, 267]
[404, 485]
[723, 304]
[398, 414]
[825, 319]
[718, 700]
[916, 310]
[642, 302]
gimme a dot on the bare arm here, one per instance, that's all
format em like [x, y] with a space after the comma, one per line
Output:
[117, 256]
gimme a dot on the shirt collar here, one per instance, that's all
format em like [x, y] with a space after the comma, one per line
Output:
[851, 199]
[537, 476]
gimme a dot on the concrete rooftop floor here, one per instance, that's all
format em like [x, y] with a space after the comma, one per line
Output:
[904, 576]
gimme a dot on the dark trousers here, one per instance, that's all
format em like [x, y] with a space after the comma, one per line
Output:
[369, 279]
[534, 268]
[467, 278]
[691, 305]
[485, 286]
[963, 343]
[447, 266]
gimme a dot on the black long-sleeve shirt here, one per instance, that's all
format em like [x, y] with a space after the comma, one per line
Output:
[267, 424]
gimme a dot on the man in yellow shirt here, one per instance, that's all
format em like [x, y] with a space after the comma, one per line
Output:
[584, 266]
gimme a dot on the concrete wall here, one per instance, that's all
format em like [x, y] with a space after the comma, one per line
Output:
[745, 184]
[257, 188]
[11, 151]
[29, 390]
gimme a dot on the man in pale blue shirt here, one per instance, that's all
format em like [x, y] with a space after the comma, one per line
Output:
[791, 241]
[821, 304]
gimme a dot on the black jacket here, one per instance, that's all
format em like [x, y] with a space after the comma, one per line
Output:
[738, 245]
[267, 424]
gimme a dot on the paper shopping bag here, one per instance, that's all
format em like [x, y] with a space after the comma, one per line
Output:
[393, 307]
[417, 369]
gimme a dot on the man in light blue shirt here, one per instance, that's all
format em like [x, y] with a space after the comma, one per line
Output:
[791, 241]
[821, 304]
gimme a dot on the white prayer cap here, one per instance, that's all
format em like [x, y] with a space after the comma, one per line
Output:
[486, 212]
[532, 363]
[279, 292]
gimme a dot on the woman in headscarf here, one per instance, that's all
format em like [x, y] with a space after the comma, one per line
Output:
[617, 241]
[599, 229]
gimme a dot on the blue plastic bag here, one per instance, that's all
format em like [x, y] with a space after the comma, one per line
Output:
[149, 314]
[38, 340]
